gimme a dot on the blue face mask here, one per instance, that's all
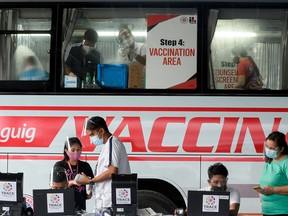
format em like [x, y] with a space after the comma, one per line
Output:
[271, 153]
[96, 140]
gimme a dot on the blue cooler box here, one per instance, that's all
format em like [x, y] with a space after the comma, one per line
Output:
[113, 75]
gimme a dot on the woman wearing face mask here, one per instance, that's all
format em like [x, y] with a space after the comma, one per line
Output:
[113, 159]
[74, 166]
[274, 178]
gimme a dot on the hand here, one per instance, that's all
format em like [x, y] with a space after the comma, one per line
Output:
[123, 52]
[267, 190]
[72, 74]
[72, 182]
[83, 180]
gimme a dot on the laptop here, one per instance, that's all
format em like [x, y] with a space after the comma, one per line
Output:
[208, 203]
[48, 202]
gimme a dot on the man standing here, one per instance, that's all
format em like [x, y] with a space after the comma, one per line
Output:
[130, 50]
[83, 59]
[113, 159]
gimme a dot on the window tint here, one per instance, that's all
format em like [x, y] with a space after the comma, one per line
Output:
[241, 37]
[142, 48]
[25, 43]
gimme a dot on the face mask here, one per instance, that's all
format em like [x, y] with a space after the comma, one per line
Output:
[236, 59]
[96, 140]
[216, 188]
[271, 153]
[87, 48]
[73, 155]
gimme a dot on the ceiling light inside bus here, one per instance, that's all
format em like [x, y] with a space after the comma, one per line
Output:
[230, 34]
[115, 34]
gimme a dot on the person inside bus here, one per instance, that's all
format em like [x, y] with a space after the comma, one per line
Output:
[130, 50]
[273, 188]
[218, 178]
[84, 58]
[73, 166]
[249, 76]
[113, 159]
[32, 71]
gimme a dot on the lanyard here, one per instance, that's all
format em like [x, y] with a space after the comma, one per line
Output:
[70, 167]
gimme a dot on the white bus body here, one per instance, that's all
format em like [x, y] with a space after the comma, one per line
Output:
[173, 139]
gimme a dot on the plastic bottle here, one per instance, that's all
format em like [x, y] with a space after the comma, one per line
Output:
[88, 80]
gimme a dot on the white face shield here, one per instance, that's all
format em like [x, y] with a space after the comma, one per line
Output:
[84, 130]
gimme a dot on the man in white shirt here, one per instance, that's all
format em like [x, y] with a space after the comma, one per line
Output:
[217, 181]
[130, 50]
[113, 159]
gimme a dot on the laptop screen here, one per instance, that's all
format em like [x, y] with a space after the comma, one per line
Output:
[48, 202]
[208, 203]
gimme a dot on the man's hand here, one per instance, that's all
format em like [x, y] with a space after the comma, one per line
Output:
[83, 180]
[123, 52]
[72, 74]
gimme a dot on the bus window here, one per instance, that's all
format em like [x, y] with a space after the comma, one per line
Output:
[142, 48]
[246, 49]
[25, 34]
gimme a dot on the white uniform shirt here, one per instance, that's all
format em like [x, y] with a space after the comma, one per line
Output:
[118, 158]
[139, 49]
[234, 194]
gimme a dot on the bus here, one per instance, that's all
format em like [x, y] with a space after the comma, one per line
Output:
[177, 113]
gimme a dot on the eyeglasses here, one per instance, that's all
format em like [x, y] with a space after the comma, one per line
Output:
[221, 181]
[271, 148]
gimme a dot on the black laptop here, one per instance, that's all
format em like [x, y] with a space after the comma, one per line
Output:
[48, 202]
[208, 203]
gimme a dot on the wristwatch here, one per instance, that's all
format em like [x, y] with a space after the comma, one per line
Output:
[91, 182]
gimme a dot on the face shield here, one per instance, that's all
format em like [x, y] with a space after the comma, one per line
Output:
[58, 178]
[126, 41]
[84, 130]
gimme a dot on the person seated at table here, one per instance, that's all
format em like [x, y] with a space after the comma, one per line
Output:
[218, 178]
[59, 180]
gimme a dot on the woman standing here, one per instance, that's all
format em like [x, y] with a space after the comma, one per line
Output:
[74, 166]
[274, 178]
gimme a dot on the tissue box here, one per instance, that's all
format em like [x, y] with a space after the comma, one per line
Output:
[70, 82]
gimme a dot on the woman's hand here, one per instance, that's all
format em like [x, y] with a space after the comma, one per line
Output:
[72, 182]
[267, 190]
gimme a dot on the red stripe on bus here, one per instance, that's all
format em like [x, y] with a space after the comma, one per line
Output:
[151, 109]
[141, 158]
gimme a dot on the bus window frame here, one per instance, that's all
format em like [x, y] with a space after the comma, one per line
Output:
[54, 84]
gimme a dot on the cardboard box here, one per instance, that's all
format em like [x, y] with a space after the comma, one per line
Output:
[136, 75]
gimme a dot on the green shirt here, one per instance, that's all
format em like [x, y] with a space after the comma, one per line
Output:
[275, 174]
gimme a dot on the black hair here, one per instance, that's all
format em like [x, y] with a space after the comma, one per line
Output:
[280, 140]
[239, 51]
[71, 141]
[96, 123]
[217, 169]
[91, 35]
[59, 174]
